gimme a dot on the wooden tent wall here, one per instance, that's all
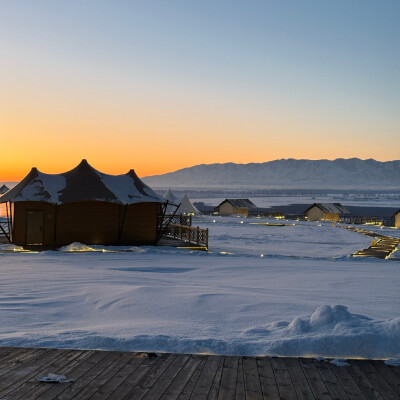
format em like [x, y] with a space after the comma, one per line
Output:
[91, 222]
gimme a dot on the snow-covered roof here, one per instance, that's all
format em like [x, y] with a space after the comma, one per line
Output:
[4, 189]
[240, 203]
[335, 208]
[83, 183]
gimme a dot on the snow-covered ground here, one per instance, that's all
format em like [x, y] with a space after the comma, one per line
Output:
[289, 290]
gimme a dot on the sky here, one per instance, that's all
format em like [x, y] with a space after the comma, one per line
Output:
[161, 85]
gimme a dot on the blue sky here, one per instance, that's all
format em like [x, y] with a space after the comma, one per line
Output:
[326, 72]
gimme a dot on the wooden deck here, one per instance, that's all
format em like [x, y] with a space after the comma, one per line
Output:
[121, 375]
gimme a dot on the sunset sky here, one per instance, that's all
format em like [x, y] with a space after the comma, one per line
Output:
[158, 85]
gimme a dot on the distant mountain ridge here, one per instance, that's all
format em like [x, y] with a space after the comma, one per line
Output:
[352, 173]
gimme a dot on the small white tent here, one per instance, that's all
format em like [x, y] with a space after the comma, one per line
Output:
[173, 202]
[187, 206]
[171, 197]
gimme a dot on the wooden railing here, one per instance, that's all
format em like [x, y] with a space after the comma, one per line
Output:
[181, 219]
[188, 234]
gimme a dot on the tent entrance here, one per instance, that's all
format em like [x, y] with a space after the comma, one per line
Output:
[34, 227]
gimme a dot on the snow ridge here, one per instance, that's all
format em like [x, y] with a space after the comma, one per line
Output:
[286, 173]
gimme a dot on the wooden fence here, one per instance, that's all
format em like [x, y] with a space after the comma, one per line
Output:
[190, 234]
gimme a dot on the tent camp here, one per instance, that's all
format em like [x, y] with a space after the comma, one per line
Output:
[82, 205]
[325, 212]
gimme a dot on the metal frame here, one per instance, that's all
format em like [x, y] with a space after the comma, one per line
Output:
[165, 219]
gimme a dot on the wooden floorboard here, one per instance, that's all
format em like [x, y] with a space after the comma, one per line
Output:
[113, 375]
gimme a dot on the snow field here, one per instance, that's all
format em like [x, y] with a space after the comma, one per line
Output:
[305, 296]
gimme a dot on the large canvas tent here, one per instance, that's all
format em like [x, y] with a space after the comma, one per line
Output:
[82, 205]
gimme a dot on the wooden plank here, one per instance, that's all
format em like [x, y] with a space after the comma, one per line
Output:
[134, 378]
[92, 373]
[227, 388]
[251, 379]
[157, 390]
[331, 380]
[129, 368]
[24, 361]
[240, 389]
[376, 379]
[19, 358]
[101, 379]
[11, 355]
[348, 383]
[299, 379]
[75, 373]
[7, 351]
[314, 379]
[33, 385]
[203, 385]
[366, 387]
[388, 373]
[268, 383]
[22, 374]
[189, 387]
[151, 377]
[283, 380]
[181, 380]
[119, 375]
[214, 390]
[38, 388]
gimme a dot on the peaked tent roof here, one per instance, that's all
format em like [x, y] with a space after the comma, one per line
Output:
[240, 203]
[172, 199]
[335, 208]
[187, 206]
[83, 183]
[4, 189]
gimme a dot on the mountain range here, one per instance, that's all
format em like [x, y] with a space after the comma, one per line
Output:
[341, 173]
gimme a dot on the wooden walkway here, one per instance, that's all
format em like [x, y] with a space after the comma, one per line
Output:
[383, 247]
[121, 375]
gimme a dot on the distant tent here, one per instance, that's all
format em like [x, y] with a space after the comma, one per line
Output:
[235, 206]
[173, 201]
[4, 189]
[171, 197]
[325, 212]
[83, 205]
[396, 217]
[187, 207]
